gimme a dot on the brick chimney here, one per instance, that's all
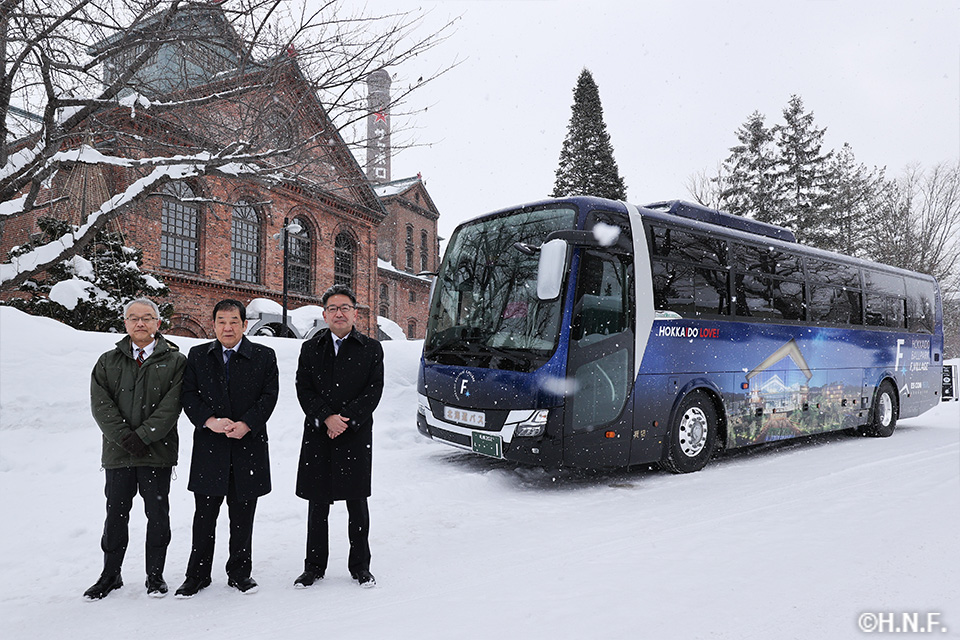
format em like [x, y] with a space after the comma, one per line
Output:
[378, 127]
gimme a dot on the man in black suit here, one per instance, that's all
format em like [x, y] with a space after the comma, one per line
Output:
[230, 388]
[339, 384]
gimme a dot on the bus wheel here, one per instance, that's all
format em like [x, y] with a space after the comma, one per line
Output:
[886, 410]
[693, 434]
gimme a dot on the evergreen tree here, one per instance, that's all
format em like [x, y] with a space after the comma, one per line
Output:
[89, 290]
[854, 198]
[803, 177]
[586, 165]
[749, 184]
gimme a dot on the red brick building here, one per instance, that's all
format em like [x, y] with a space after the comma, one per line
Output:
[407, 244]
[214, 237]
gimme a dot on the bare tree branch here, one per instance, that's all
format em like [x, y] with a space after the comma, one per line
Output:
[163, 89]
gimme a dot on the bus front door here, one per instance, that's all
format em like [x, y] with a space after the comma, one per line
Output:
[598, 418]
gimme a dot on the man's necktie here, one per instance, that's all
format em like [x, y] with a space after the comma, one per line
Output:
[226, 363]
[141, 356]
[336, 345]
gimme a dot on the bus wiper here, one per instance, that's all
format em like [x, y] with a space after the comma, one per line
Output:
[482, 349]
[457, 340]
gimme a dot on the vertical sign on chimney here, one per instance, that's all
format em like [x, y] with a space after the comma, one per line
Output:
[378, 127]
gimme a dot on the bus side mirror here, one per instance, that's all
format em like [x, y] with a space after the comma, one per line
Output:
[550, 269]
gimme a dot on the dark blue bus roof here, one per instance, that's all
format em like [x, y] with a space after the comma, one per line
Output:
[722, 219]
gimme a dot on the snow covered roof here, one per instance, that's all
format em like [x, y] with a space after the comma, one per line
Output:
[388, 266]
[395, 187]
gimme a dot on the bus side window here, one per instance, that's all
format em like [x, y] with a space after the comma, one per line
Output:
[886, 299]
[834, 305]
[711, 291]
[769, 283]
[601, 307]
[788, 299]
[920, 297]
[834, 292]
[673, 288]
[690, 275]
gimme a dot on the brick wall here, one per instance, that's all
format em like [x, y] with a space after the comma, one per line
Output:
[404, 295]
[406, 300]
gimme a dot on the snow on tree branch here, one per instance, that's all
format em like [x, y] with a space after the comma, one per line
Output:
[17, 270]
[248, 90]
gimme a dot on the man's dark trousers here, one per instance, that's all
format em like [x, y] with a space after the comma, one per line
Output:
[241, 512]
[153, 484]
[358, 530]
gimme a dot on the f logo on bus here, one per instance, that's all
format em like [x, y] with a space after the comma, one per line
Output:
[461, 386]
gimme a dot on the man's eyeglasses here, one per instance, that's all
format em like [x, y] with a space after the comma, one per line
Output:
[145, 319]
[345, 308]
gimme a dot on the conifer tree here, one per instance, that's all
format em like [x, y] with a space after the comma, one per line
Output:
[88, 291]
[587, 166]
[749, 186]
[854, 196]
[803, 177]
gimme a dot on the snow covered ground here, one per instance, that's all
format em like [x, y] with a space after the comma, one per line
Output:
[790, 541]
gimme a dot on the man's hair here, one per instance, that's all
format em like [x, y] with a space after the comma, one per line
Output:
[147, 301]
[230, 303]
[338, 290]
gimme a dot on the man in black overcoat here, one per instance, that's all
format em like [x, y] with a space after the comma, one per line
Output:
[339, 384]
[230, 388]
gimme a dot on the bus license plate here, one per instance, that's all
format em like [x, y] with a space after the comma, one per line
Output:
[487, 444]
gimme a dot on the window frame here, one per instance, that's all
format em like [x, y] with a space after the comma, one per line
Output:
[174, 244]
[245, 259]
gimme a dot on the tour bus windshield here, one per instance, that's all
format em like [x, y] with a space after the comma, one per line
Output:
[485, 311]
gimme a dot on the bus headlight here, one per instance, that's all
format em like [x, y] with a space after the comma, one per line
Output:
[534, 425]
[422, 408]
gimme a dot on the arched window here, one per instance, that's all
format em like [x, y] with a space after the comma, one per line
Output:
[344, 249]
[245, 243]
[299, 274]
[276, 129]
[179, 228]
[411, 329]
[385, 300]
[409, 248]
[424, 252]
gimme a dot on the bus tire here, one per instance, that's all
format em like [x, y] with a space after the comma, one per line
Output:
[693, 434]
[886, 410]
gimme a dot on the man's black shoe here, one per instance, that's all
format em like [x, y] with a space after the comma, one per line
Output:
[104, 585]
[306, 579]
[156, 586]
[365, 578]
[243, 585]
[191, 587]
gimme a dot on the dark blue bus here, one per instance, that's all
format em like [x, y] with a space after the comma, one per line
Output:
[590, 333]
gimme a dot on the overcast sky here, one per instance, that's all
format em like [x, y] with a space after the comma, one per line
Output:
[676, 80]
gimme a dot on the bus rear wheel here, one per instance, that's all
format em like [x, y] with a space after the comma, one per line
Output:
[886, 410]
[693, 435]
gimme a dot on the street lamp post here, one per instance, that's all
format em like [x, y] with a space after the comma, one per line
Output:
[288, 228]
[286, 234]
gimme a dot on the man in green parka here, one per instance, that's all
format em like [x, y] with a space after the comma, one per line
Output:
[135, 399]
